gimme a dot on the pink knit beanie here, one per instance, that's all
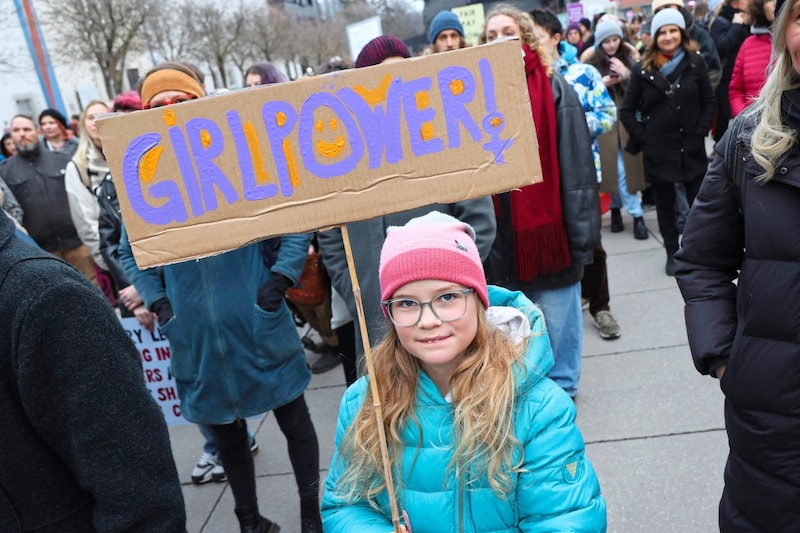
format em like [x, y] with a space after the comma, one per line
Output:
[434, 246]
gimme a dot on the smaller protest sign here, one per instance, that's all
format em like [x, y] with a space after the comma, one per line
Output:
[471, 18]
[154, 351]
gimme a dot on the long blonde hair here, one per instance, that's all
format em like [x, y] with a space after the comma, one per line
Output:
[81, 158]
[483, 396]
[527, 35]
[772, 139]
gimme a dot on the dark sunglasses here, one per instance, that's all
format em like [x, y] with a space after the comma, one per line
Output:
[176, 100]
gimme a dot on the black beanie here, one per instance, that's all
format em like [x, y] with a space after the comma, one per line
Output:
[56, 114]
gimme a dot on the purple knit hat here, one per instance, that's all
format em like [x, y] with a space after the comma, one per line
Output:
[574, 26]
[379, 49]
[433, 246]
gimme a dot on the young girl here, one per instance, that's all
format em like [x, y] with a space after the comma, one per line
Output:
[479, 438]
[623, 174]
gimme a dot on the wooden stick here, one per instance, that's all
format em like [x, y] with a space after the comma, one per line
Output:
[373, 384]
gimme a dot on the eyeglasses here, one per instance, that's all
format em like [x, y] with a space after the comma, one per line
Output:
[175, 100]
[447, 307]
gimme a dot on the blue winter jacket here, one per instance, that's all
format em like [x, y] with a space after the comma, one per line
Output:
[230, 358]
[558, 490]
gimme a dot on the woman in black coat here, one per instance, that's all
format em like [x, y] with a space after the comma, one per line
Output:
[667, 110]
[743, 225]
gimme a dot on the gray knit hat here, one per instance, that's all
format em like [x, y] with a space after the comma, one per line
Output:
[666, 17]
[606, 29]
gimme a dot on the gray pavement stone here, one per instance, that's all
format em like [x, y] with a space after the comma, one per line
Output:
[661, 484]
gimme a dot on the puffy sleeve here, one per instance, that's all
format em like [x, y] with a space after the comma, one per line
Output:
[737, 94]
[711, 253]
[599, 107]
[558, 490]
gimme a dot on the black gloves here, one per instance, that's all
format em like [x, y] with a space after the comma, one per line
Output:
[270, 294]
[163, 309]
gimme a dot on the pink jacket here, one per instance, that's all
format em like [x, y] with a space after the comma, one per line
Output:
[749, 71]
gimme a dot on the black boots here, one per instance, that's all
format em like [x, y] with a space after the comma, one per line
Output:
[670, 267]
[616, 221]
[639, 229]
[310, 520]
[252, 522]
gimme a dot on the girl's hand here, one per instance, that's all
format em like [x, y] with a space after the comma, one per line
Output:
[610, 80]
[619, 68]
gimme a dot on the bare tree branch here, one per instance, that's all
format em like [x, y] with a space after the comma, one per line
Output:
[102, 32]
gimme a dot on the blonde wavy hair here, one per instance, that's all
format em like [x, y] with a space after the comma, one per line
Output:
[527, 35]
[483, 396]
[772, 139]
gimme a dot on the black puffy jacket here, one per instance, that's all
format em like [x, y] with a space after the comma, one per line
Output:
[753, 327]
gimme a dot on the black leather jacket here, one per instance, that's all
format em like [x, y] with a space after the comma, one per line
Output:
[579, 200]
[110, 227]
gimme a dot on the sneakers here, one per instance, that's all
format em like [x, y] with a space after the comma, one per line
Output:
[639, 229]
[607, 325]
[253, 447]
[616, 221]
[208, 468]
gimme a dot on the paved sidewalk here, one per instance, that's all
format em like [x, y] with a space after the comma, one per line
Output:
[653, 426]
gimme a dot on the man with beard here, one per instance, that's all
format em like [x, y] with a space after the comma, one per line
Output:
[36, 177]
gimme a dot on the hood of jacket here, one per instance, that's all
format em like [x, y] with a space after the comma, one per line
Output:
[516, 314]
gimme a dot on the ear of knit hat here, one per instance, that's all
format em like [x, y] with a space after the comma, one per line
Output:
[435, 246]
[169, 80]
[56, 115]
[659, 4]
[380, 48]
[666, 17]
[606, 29]
[445, 20]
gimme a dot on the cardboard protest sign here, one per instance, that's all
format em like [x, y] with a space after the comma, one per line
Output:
[155, 353]
[214, 174]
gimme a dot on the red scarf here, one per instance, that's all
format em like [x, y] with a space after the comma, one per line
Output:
[540, 238]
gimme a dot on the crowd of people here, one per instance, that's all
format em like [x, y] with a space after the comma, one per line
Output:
[478, 389]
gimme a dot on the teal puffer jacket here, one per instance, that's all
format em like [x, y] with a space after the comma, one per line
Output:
[230, 358]
[558, 490]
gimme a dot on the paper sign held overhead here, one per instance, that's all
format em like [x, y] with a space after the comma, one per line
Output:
[211, 175]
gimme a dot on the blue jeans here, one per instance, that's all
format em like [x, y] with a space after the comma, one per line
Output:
[564, 320]
[623, 198]
[210, 446]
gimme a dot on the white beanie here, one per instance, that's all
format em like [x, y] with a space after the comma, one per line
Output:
[606, 29]
[659, 4]
[666, 17]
